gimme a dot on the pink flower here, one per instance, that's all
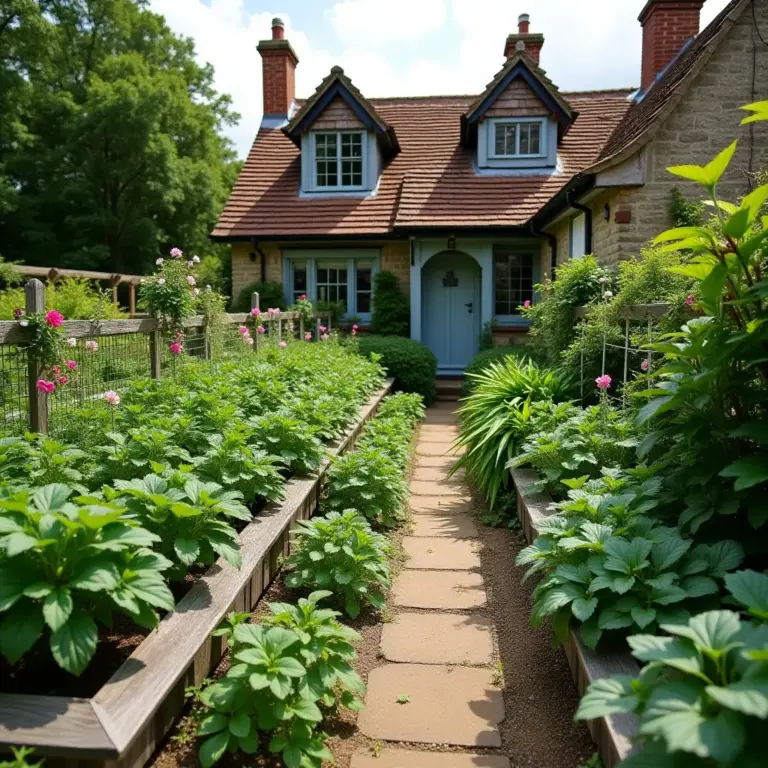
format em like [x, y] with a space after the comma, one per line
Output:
[112, 398]
[355, 327]
[159, 261]
[92, 346]
[261, 329]
[255, 312]
[283, 345]
[191, 280]
[248, 340]
[303, 297]
[18, 313]
[308, 336]
[57, 369]
[244, 331]
[354, 332]
[689, 300]
[71, 364]
[527, 304]
[45, 386]
[645, 365]
[273, 311]
[176, 252]
[62, 381]
[175, 348]
[323, 329]
[54, 318]
[325, 337]
[603, 382]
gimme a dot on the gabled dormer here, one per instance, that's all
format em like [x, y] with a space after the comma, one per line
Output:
[520, 118]
[344, 143]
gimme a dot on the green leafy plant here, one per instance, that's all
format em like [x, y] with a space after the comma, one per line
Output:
[40, 460]
[65, 564]
[341, 553]
[702, 695]
[391, 309]
[298, 657]
[140, 451]
[20, 755]
[290, 439]
[169, 294]
[270, 295]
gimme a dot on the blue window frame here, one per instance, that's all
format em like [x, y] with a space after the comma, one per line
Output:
[515, 272]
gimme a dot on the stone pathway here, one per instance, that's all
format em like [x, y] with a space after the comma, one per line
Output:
[437, 687]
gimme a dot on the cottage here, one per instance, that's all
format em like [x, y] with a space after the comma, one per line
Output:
[470, 200]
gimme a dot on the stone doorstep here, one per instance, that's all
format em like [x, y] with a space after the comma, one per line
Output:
[438, 638]
[429, 448]
[440, 554]
[455, 526]
[444, 505]
[407, 758]
[441, 488]
[440, 590]
[446, 705]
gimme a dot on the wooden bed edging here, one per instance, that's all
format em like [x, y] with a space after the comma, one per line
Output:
[611, 734]
[122, 725]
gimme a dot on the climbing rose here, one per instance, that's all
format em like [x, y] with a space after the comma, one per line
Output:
[603, 382]
[112, 398]
[261, 329]
[645, 365]
[159, 261]
[355, 327]
[308, 336]
[323, 329]
[689, 300]
[176, 252]
[248, 340]
[244, 331]
[255, 312]
[527, 304]
[71, 364]
[92, 346]
[354, 332]
[54, 318]
[325, 337]
[45, 386]
[191, 280]
[303, 297]
[273, 311]
[175, 348]
[283, 345]
[62, 381]
[57, 369]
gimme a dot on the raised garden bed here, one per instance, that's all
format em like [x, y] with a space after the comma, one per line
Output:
[125, 721]
[612, 734]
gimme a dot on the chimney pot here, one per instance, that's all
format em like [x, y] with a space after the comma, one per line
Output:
[524, 40]
[278, 29]
[523, 23]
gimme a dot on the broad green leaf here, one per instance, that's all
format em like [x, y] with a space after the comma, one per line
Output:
[678, 654]
[290, 667]
[748, 472]
[750, 588]
[710, 174]
[711, 631]
[307, 710]
[16, 543]
[240, 724]
[754, 202]
[187, 550]
[74, 644]
[643, 616]
[153, 591]
[607, 696]
[760, 108]
[711, 289]
[668, 552]
[738, 224]
[96, 576]
[20, 628]
[212, 723]
[57, 608]
[51, 497]
[749, 696]
[583, 608]
[696, 270]
[213, 749]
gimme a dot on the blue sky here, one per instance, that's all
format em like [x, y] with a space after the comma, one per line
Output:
[410, 47]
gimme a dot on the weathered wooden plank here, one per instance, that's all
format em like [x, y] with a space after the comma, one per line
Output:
[532, 507]
[54, 273]
[142, 699]
[54, 725]
[631, 312]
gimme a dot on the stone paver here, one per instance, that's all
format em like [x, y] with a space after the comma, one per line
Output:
[451, 526]
[445, 505]
[445, 462]
[441, 488]
[406, 758]
[446, 705]
[438, 638]
[438, 473]
[429, 448]
[439, 554]
[441, 590]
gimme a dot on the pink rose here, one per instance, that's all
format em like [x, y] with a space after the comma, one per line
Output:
[325, 337]
[62, 381]
[323, 329]
[303, 297]
[355, 327]
[244, 331]
[645, 365]
[176, 252]
[175, 348]
[283, 345]
[261, 329]
[57, 369]
[45, 386]
[689, 300]
[255, 312]
[18, 313]
[54, 318]
[603, 382]
[308, 336]
[527, 304]
[71, 364]
[112, 398]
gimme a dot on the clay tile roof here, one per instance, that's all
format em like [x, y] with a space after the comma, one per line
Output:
[646, 116]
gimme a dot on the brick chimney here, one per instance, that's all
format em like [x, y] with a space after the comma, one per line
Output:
[278, 65]
[524, 40]
[667, 26]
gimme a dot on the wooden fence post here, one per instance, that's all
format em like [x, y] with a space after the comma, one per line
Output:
[34, 295]
[132, 298]
[279, 327]
[255, 300]
[318, 323]
[155, 347]
[301, 328]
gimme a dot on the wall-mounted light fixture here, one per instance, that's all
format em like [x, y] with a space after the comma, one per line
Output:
[252, 256]
[607, 212]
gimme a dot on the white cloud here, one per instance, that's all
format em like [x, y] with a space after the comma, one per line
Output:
[372, 23]
[588, 45]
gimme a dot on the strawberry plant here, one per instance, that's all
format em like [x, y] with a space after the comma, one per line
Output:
[66, 563]
[290, 439]
[702, 696]
[341, 553]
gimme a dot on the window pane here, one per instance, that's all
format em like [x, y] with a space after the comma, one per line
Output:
[363, 278]
[332, 284]
[530, 140]
[513, 281]
[299, 279]
[363, 303]
[505, 138]
[351, 173]
[364, 285]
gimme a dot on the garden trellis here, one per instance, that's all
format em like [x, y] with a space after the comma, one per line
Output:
[110, 353]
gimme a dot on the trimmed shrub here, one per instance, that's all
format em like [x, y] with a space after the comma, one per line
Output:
[391, 308]
[270, 295]
[413, 364]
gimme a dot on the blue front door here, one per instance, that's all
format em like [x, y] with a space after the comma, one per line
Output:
[450, 324]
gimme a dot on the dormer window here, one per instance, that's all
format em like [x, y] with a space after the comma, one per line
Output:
[523, 138]
[339, 160]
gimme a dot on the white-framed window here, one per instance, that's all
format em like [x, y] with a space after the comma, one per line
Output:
[338, 276]
[338, 159]
[521, 138]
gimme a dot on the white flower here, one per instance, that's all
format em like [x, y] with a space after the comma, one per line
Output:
[208, 288]
[191, 280]
[196, 259]
[92, 346]
[161, 281]
[72, 342]
[159, 262]
[602, 280]
[190, 264]
[196, 292]
[608, 294]
[23, 323]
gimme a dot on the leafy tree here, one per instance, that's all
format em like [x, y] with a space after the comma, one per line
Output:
[110, 145]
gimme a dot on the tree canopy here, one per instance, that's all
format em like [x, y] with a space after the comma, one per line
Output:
[110, 137]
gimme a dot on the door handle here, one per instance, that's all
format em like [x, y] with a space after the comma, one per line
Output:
[469, 307]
